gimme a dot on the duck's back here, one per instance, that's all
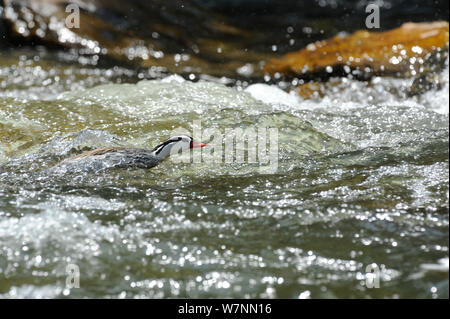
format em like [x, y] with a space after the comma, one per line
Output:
[114, 157]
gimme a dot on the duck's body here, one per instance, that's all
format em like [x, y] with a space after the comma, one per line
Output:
[124, 157]
[118, 157]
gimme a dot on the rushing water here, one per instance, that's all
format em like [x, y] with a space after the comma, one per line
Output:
[362, 178]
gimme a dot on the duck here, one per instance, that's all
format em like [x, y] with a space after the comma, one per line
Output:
[126, 157]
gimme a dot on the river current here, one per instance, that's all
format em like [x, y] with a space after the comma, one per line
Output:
[361, 185]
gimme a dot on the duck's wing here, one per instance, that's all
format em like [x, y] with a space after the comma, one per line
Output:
[115, 157]
[97, 151]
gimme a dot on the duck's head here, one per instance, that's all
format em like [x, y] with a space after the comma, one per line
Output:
[174, 145]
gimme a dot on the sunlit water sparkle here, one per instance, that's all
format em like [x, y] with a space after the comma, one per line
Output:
[362, 178]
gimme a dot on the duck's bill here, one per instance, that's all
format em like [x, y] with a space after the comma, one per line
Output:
[196, 145]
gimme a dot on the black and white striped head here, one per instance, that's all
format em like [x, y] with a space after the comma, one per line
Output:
[174, 145]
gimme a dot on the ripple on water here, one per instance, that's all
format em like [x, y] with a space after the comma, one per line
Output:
[362, 178]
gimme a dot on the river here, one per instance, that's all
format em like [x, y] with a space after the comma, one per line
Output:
[361, 185]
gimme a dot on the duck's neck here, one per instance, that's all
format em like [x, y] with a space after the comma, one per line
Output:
[163, 150]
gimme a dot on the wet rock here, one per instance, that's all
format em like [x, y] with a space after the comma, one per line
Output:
[430, 73]
[220, 38]
[310, 90]
[169, 35]
[398, 52]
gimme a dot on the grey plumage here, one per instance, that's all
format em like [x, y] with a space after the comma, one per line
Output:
[114, 157]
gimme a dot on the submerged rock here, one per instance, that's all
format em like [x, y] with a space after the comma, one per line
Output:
[398, 52]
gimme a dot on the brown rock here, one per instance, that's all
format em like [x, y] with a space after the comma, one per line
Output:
[397, 52]
[170, 35]
[310, 89]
